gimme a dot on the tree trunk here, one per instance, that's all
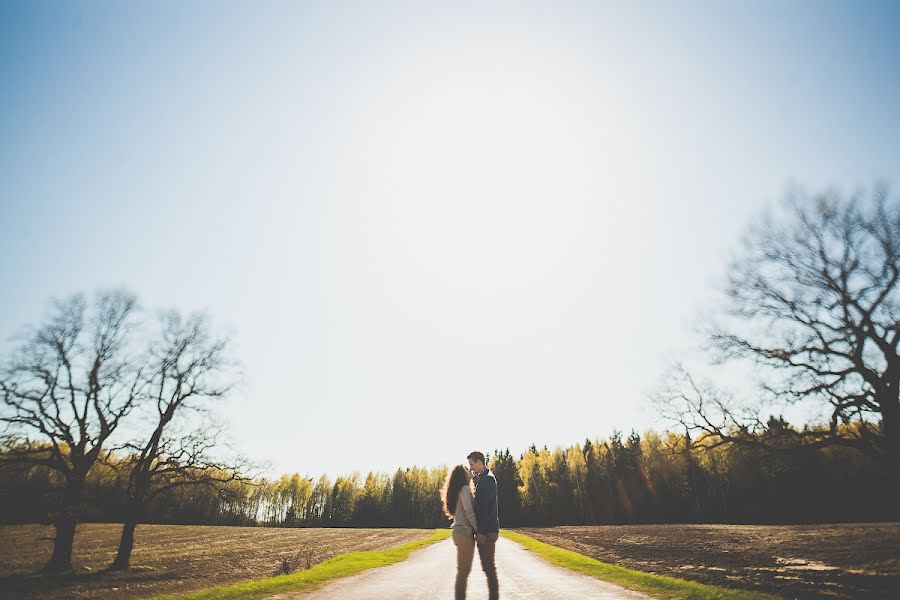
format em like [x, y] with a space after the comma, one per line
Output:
[698, 508]
[890, 428]
[133, 514]
[61, 559]
[64, 523]
[612, 500]
[126, 543]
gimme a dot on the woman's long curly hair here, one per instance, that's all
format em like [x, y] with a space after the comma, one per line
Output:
[456, 480]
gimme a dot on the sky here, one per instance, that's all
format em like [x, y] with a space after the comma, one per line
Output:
[429, 227]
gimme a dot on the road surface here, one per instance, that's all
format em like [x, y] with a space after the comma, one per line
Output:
[429, 574]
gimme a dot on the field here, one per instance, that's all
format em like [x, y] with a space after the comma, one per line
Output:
[171, 558]
[800, 561]
[794, 561]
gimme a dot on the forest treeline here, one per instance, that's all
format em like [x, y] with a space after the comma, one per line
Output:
[653, 478]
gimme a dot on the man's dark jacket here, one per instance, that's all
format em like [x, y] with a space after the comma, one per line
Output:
[486, 502]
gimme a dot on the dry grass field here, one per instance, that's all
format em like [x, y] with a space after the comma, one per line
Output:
[171, 558]
[794, 561]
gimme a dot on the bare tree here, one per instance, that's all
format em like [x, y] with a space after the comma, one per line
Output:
[65, 391]
[187, 372]
[813, 298]
[711, 417]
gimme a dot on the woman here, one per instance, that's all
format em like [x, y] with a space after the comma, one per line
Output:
[457, 499]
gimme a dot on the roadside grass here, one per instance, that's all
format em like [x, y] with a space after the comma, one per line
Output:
[659, 586]
[333, 568]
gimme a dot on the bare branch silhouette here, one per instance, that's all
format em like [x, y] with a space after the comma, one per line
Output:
[188, 372]
[65, 391]
[813, 299]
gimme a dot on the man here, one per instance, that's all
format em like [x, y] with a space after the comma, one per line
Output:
[487, 518]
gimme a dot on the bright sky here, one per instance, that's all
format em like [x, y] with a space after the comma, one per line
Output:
[432, 227]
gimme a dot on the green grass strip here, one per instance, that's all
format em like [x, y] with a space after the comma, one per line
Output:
[333, 568]
[659, 586]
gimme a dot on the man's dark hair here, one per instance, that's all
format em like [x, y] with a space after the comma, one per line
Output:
[477, 455]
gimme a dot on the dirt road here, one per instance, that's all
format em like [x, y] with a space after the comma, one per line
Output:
[429, 575]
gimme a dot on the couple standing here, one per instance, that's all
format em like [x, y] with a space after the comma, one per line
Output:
[475, 520]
